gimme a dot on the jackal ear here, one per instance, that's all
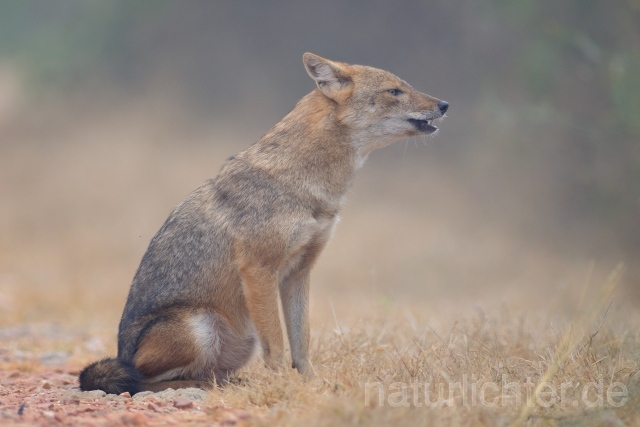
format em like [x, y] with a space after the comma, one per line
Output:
[330, 76]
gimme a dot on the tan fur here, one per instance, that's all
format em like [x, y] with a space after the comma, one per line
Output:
[207, 288]
[165, 346]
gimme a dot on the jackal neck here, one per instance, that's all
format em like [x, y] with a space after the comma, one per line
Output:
[309, 148]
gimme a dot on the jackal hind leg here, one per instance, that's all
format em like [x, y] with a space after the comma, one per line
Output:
[180, 350]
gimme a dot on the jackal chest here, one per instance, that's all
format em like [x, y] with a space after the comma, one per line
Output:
[309, 240]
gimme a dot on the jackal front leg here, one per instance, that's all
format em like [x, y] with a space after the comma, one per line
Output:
[260, 289]
[294, 292]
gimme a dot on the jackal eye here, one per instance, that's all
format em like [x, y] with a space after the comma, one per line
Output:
[394, 92]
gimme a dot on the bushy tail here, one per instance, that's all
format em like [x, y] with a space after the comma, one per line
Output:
[111, 375]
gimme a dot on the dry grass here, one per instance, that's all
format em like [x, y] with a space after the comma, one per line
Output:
[376, 371]
[410, 293]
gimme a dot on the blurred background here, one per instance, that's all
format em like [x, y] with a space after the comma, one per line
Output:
[111, 112]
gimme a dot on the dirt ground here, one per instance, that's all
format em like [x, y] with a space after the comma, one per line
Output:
[40, 387]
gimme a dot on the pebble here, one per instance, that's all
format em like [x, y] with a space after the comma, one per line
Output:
[50, 415]
[182, 403]
[142, 395]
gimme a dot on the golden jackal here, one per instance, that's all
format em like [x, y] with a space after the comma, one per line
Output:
[207, 288]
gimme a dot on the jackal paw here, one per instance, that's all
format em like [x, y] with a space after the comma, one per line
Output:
[305, 368]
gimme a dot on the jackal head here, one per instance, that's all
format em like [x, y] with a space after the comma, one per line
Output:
[378, 107]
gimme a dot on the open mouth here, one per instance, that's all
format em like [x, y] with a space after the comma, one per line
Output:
[424, 126]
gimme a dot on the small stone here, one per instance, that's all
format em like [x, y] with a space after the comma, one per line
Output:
[15, 374]
[125, 394]
[142, 395]
[50, 415]
[46, 385]
[152, 407]
[60, 417]
[182, 403]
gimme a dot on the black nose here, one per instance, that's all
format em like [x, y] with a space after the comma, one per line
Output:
[443, 106]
